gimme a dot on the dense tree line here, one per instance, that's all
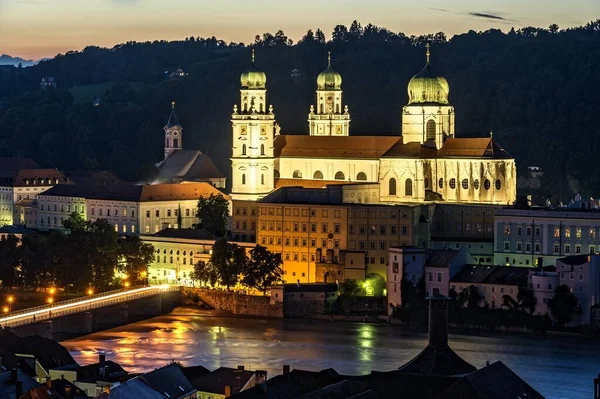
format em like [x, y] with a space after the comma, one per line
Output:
[534, 88]
[229, 266]
[86, 255]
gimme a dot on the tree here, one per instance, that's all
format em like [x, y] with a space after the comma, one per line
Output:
[473, 297]
[229, 260]
[204, 272]
[320, 36]
[9, 260]
[179, 217]
[352, 288]
[135, 256]
[262, 269]
[562, 305]
[526, 298]
[75, 223]
[553, 28]
[213, 212]
[309, 37]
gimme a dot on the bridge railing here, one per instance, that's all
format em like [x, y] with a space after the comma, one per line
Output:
[51, 311]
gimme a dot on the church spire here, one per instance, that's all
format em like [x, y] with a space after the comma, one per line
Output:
[427, 52]
[173, 133]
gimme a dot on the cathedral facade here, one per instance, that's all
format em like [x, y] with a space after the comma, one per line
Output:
[426, 163]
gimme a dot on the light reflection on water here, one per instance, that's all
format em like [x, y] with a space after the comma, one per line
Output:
[558, 368]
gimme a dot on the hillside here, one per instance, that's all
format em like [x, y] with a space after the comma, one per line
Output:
[536, 89]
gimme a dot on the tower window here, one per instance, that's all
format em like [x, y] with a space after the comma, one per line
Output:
[430, 130]
[476, 184]
[318, 175]
[408, 188]
[426, 183]
[175, 143]
[441, 182]
[361, 176]
[392, 186]
[297, 174]
[243, 178]
[339, 176]
[262, 179]
[452, 183]
[262, 149]
[486, 184]
[465, 184]
[243, 149]
[498, 184]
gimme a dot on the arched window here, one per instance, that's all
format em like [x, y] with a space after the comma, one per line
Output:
[276, 173]
[452, 183]
[392, 186]
[487, 184]
[297, 174]
[498, 184]
[175, 142]
[243, 178]
[408, 188]
[243, 149]
[361, 176]
[262, 149]
[476, 184]
[430, 130]
[441, 182]
[465, 184]
[262, 179]
[339, 176]
[426, 183]
[318, 175]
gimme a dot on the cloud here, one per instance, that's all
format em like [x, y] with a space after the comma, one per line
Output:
[440, 9]
[490, 15]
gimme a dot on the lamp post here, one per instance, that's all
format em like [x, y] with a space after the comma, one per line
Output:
[50, 302]
[90, 292]
[10, 300]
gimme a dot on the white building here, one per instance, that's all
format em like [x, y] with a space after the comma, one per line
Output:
[426, 163]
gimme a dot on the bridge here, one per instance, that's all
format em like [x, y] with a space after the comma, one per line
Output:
[77, 315]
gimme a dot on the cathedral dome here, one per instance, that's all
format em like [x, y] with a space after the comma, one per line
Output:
[428, 88]
[329, 79]
[253, 78]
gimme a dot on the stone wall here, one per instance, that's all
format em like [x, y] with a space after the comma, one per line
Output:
[237, 304]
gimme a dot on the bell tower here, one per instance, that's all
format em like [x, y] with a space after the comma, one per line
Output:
[253, 127]
[173, 133]
[329, 118]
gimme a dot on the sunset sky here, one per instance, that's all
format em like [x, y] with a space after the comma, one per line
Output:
[42, 28]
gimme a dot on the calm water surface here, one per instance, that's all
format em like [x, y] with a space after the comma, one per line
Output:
[557, 368]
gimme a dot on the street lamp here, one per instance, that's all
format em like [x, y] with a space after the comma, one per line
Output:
[126, 284]
[90, 292]
[50, 302]
[5, 309]
[10, 300]
[52, 291]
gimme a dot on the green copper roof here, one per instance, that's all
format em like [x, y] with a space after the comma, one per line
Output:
[253, 78]
[428, 88]
[329, 79]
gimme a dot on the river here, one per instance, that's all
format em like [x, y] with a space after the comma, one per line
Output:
[556, 367]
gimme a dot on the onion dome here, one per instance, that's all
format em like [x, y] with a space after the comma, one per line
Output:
[253, 78]
[329, 79]
[428, 88]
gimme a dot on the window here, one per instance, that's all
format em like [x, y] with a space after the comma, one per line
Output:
[537, 247]
[426, 183]
[567, 232]
[578, 232]
[243, 178]
[243, 149]
[592, 249]
[168, 213]
[519, 246]
[108, 212]
[580, 276]
[528, 247]
[392, 186]
[393, 229]
[441, 182]
[262, 179]
[318, 175]
[465, 184]
[567, 248]
[498, 184]
[339, 176]
[506, 230]
[132, 213]
[507, 246]
[262, 149]
[382, 229]
[476, 184]
[556, 232]
[408, 187]
[187, 212]
[439, 277]
[592, 233]
[297, 174]
[361, 176]
[430, 130]
[404, 230]
[486, 184]
[147, 214]
[324, 228]
[336, 228]
[578, 249]
[452, 183]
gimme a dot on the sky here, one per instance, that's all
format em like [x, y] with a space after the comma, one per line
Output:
[33, 29]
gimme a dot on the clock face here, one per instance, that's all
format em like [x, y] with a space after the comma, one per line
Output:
[243, 129]
[175, 134]
[263, 130]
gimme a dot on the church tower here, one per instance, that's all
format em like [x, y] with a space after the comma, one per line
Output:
[329, 118]
[253, 160]
[173, 133]
[428, 118]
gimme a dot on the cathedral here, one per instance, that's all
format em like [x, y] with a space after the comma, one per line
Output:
[425, 163]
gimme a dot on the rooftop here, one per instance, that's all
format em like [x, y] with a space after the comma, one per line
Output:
[170, 381]
[501, 275]
[192, 234]
[156, 192]
[361, 147]
[216, 381]
[188, 165]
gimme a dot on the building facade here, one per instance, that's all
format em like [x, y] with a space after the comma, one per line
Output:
[581, 273]
[526, 237]
[426, 163]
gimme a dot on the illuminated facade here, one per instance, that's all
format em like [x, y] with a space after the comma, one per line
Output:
[427, 163]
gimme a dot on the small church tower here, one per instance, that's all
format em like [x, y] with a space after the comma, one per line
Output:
[173, 133]
[329, 118]
[253, 123]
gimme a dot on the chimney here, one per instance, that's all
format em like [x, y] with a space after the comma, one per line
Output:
[19, 389]
[438, 321]
[286, 369]
[240, 368]
[227, 391]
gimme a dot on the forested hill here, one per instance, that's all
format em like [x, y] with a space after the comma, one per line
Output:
[536, 89]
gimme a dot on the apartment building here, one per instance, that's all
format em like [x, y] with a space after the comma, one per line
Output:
[244, 215]
[581, 273]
